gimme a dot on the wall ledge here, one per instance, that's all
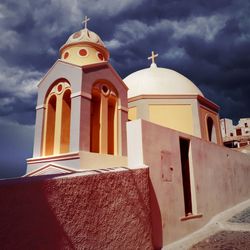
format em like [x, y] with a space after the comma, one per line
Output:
[192, 216]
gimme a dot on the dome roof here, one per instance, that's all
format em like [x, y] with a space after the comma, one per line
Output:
[85, 36]
[159, 81]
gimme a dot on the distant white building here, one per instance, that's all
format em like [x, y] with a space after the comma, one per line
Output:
[235, 136]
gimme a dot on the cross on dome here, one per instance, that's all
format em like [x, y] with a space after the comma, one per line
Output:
[153, 56]
[85, 21]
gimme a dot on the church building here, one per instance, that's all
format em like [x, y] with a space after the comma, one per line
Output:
[167, 98]
[134, 163]
[83, 106]
[81, 110]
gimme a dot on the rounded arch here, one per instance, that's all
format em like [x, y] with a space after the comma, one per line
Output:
[103, 83]
[50, 125]
[210, 128]
[51, 88]
[104, 122]
[65, 121]
[56, 126]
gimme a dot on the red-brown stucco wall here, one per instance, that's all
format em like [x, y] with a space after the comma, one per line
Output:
[100, 211]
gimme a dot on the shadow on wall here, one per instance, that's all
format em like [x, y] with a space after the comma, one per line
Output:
[25, 213]
[155, 219]
[100, 211]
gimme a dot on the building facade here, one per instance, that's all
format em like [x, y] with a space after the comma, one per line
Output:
[236, 136]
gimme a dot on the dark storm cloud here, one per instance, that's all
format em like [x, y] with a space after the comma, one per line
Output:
[207, 41]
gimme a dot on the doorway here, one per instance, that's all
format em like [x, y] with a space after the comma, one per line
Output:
[185, 168]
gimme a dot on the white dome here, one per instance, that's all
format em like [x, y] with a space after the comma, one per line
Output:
[159, 81]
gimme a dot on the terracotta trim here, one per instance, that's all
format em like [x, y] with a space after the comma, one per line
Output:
[69, 156]
[189, 217]
[132, 99]
[204, 101]
[88, 67]
[83, 94]
[208, 109]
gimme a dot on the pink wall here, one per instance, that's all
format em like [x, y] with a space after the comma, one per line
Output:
[221, 178]
[100, 211]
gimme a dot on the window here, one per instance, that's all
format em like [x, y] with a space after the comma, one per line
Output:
[238, 131]
[65, 121]
[56, 127]
[50, 125]
[103, 119]
[211, 134]
[100, 56]
[83, 52]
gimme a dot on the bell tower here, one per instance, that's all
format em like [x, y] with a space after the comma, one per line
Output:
[81, 110]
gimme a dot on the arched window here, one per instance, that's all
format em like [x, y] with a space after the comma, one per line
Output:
[211, 133]
[95, 121]
[65, 121]
[50, 131]
[57, 119]
[103, 119]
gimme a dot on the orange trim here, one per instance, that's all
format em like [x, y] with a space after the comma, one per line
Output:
[69, 156]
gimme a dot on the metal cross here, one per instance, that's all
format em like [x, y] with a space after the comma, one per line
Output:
[85, 21]
[153, 56]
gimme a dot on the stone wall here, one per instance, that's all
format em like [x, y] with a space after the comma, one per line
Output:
[98, 211]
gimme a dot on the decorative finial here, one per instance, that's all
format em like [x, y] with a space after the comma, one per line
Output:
[85, 21]
[153, 56]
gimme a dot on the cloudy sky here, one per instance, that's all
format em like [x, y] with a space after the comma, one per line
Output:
[207, 41]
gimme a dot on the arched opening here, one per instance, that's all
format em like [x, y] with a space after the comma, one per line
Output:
[50, 131]
[65, 121]
[111, 124]
[95, 122]
[211, 130]
[103, 119]
[56, 139]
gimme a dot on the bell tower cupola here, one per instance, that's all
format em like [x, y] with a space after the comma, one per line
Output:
[82, 110]
[84, 47]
